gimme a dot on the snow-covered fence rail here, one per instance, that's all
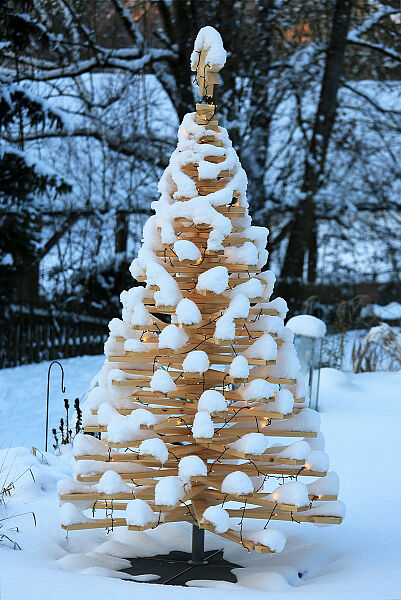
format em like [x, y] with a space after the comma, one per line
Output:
[34, 335]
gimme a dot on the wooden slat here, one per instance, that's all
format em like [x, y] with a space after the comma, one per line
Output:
[139, 476]
[235, 537]
[258, 498]
[260, 513]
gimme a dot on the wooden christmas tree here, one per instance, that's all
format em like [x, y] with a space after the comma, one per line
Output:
[199, 406]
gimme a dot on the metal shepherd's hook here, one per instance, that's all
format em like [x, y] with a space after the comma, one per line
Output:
[55, 362]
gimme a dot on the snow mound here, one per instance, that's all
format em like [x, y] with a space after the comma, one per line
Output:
[218, 517]
[71, 514]
[317, 461]
[161, 381]
[139, 513]
[169, 491]
[191, 466]
[187, 312]
[272, 538]
[212, 401]
[203, 425]
[252, 443]
[213, 280]
[297, 450]
[307, 325]
[186, 250]
[258, 389]
[112, 483]
[239, 368]
[237, 483]
[327, 485]
[294, 492]
[154, 447]
[196, 361]
[172, 337]
[89, 445]
[264, 348]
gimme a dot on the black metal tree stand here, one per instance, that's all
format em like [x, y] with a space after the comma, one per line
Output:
[177, 568]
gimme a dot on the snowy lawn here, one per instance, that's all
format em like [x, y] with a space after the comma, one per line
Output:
[360, 559]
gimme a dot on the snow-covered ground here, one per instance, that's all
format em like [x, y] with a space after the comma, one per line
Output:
[360, 559]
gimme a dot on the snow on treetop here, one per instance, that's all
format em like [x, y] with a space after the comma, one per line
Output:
[210, 39]
[307, 325]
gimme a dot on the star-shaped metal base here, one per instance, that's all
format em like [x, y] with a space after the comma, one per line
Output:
[177, 568]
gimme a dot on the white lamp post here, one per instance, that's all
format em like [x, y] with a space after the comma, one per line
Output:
[309, 332]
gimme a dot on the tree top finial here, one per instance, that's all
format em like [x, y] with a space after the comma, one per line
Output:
[207, 58]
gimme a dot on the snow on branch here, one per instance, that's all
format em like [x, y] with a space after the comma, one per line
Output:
[124, 59]
[356, 35]
[128, 21]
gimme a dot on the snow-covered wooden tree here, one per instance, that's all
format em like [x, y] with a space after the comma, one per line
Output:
[191, 405]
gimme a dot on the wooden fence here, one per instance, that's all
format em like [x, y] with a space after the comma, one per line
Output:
[33, 334]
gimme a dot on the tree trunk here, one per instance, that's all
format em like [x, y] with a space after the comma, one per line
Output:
[255, 155]
[121, 232]
[184, 32]
[303, 238]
